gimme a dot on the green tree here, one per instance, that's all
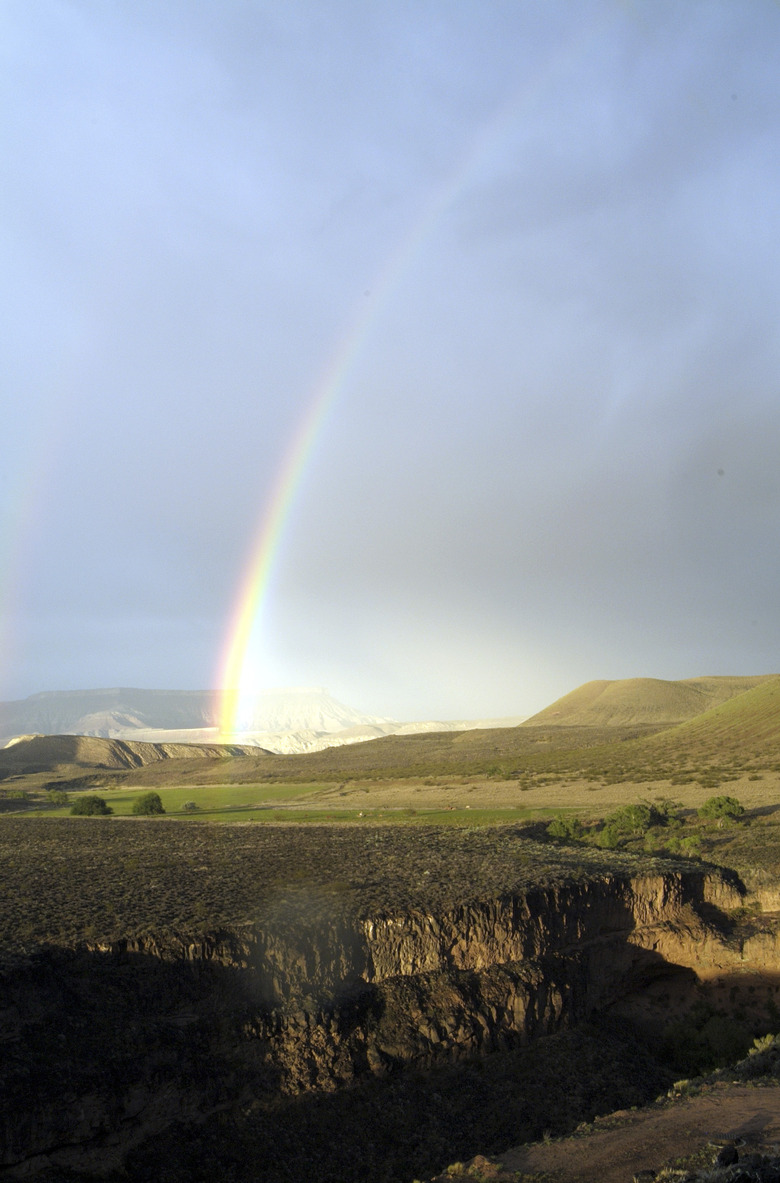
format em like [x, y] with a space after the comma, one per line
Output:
[721, 809]
[634, 819]
[609, 838]
[570, 828]
[149, 805]
[90, 807]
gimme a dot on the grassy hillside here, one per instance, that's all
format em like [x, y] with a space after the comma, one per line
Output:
[747, 723]
[510, 753]
[741, 731]
[627, 702]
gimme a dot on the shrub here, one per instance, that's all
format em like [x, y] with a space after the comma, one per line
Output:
[694, 1045]
[190, 806]
[565, 827]
[634, 819]
[762, 1044]
[609, 838]
[668, 810]
[90, 806]
[57, 797]
[148, 805]
[690, 845]
[720, 808]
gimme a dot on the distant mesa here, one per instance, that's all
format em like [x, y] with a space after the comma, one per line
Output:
[297, 720]
[291, 720]
[45, 753]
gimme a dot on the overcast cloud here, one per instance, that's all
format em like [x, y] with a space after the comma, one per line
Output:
[556, 455]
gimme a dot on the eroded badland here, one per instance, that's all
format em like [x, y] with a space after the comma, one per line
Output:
[342, 987]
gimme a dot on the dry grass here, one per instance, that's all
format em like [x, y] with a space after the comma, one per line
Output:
[590, 799]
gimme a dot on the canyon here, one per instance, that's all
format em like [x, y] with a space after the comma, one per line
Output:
[337, 1004]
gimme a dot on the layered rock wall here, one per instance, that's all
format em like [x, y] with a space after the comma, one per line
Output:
[326, 1001]
[300, 955]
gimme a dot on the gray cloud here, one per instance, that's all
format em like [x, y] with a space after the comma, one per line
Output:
[554, 454]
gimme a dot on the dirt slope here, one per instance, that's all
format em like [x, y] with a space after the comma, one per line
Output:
[650, 1137]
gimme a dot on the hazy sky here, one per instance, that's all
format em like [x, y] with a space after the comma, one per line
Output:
[554, 454]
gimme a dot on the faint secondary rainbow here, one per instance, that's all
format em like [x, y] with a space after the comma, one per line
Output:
[29, 484]
[239, 677]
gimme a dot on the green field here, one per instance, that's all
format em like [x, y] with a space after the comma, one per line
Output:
[278, 803]
[214, 802]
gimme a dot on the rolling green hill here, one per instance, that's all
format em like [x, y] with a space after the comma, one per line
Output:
[746, 724]
[741, 732]
[628, 702]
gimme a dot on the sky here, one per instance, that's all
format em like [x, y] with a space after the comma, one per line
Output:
[520, 259]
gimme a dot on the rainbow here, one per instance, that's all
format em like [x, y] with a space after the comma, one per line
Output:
[239, 676]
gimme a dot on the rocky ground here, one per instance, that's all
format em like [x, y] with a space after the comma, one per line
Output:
[694, 1127]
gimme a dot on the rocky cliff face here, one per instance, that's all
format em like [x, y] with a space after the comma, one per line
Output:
[418, 987]
[296, 955]
[109, 1044]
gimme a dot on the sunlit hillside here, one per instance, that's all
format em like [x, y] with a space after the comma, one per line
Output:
[628, 701]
